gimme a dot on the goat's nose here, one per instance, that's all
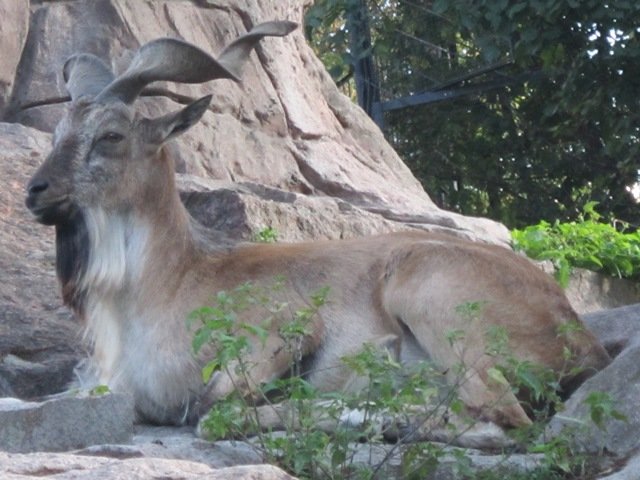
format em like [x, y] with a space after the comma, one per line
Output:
[37, 186]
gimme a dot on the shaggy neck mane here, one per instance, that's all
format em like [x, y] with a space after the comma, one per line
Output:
[99, 253]
[72, 257]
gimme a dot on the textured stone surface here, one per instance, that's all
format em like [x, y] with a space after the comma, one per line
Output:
[242, 210]
[13, 35]
[621, 380]
[629, 471]
[80, 467]
[285, 126]
[616, 328]
[64, 423]
[593, 292]
[181, 443]
[39, 342]
[619, 331]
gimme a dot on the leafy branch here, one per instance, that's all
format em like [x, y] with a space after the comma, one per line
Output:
[586, 243]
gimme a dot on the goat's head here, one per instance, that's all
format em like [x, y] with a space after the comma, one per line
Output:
[104, 153]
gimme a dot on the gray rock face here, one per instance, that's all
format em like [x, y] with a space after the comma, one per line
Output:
[616, 328]
[596, 292]
[619, 331]
[13, 35]
[157, 450]
[629, 471]
[241, 210]
[65, 423]
[181, 443]
[593, 292]
[39, 341]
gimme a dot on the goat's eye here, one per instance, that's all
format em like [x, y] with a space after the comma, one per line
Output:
[111, 137]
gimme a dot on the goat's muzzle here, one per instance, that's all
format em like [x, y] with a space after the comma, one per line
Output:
[47, 210]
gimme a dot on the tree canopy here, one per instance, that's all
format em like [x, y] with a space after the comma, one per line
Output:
[544, 113]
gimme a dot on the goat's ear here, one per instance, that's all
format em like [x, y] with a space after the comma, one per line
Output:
[168, 126]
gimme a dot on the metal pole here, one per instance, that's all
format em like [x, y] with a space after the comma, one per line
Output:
[366, 78]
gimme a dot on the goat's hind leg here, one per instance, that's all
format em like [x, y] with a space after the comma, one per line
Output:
[487, 399]
[438, 290]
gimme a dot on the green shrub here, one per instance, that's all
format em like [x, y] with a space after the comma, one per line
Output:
[587, 243]
[390, 390]
[265, 235]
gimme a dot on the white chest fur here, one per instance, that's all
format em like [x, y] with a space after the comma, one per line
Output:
[118, 244]
[117, 255]
[139, 349]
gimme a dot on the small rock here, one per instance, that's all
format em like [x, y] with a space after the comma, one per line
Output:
[65, 423]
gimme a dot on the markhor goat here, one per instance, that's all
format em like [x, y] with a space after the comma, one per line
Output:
[133, 264]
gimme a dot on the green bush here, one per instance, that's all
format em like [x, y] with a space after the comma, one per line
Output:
[587, 243]
[318, 443]
[265, 235]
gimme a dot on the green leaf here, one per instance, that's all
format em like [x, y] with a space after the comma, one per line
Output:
[563, 272]
[208, 370]
[440, 6]
[99, 390]
[595, 261]
[515, 9]
[531, 380]
[454, 336]
[456, 406]
[202, 336]
[497, 376]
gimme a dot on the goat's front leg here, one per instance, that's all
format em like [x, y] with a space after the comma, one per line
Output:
[276, 360]
[265, 362]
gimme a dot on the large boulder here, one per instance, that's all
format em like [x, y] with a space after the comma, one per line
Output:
[286, 126]
[38, 338]
[619, 331]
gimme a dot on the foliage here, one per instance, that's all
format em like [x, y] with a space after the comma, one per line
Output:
[99, 391]
[585, 243]
[542, 386]
[565, 129]
[325, 29]
[266, 235]
[602, 408]
[307, 449]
